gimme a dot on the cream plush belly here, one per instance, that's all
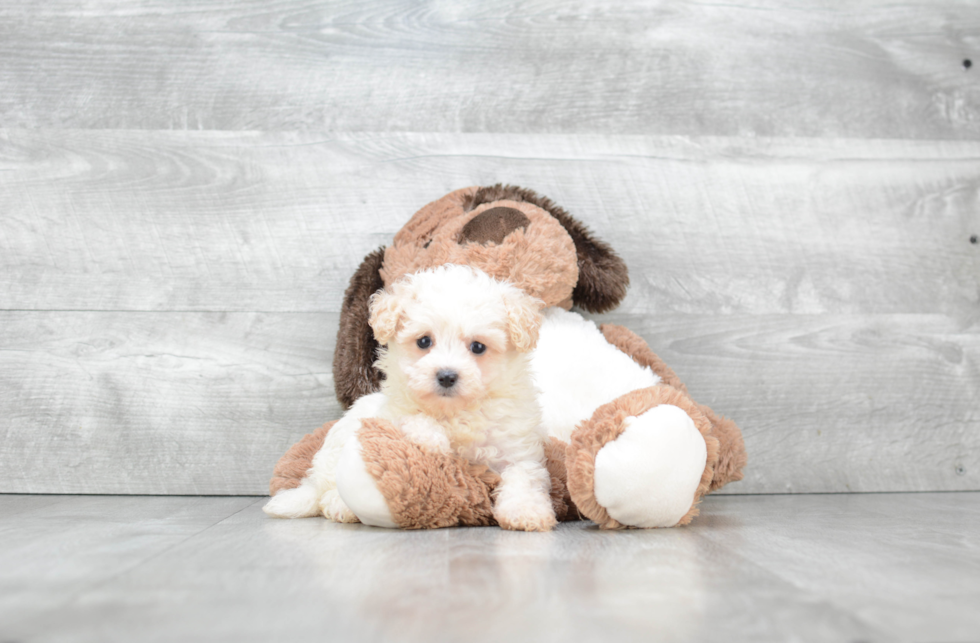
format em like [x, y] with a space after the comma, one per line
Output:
[577, 371]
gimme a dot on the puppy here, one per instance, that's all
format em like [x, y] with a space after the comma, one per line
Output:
[457, 380]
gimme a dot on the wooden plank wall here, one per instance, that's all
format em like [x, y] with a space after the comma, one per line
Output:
[184, 192]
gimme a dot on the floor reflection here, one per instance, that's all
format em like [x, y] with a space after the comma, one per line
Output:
[444, 584]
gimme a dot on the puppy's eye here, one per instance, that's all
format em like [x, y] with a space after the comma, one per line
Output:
[424, 342]
[478, 348]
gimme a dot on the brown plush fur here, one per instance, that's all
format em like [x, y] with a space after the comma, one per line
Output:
[461, 496]
[538, 258]
[580, 464]
[606, 424]
[425, 490]
[603, 277]
[554, 453]
[515, 234]
[731, 450]
[633, 345]
[423, 225]
[354, 373]
[571, 466]
[538, 247]
[291, 467]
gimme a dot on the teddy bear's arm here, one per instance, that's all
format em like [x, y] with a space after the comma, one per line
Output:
[731, 449]
[417, 489]
[426, 490]
[644, 459]
[292, 466]
[561, 499]
[633, 345]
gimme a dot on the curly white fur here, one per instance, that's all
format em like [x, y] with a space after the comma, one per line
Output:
[466, 388]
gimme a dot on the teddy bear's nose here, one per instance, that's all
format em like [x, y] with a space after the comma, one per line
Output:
[493, 225]
[447, 378]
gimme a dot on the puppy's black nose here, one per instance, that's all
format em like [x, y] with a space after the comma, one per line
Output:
[447, 378]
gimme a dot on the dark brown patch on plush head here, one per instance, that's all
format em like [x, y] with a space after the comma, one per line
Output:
[603, 277]
[493, 226]
[538, 257]
[354, 374]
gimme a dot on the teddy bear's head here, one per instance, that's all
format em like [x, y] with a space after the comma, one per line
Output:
[510, 233]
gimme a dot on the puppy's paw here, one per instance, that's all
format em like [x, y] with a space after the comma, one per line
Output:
[435, 443]
[528, 514]
[333, 507]
[426, 433]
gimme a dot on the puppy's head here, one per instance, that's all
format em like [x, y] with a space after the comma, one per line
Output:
[454, 336]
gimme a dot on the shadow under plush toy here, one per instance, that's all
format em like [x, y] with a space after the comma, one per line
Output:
[628, 446]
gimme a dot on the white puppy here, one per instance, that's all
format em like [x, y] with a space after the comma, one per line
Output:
[457, 380]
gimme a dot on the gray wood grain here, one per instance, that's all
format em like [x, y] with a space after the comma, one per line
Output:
[160, 403]
[903, 565]
[821, 293]
[278, 222]
[867, 69]
[87, 542]
[205, 403]
[185, 191]
[757, 568]
[835, 403]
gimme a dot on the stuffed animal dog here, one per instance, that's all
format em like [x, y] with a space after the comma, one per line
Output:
[629, 446]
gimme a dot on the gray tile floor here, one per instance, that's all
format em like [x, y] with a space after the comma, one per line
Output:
[885, 567]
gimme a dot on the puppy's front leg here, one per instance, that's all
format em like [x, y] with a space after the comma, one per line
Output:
[425, 432]
[523, 498]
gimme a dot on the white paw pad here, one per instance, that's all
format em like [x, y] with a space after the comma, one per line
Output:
[359, 490]
[647, 477]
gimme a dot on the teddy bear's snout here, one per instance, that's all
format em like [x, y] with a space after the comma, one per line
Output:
[493, 225]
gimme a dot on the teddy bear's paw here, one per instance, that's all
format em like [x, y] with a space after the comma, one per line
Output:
[333, 507]
[299, 502]
[359, 490]
[426, 433]
[649, 475]
[530, 513]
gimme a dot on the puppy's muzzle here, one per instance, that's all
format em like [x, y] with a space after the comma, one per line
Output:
[447, 378]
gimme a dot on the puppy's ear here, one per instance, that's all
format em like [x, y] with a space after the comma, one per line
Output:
[386, 313]
[523, 320]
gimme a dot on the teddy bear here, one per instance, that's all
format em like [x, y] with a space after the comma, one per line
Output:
[628, 446]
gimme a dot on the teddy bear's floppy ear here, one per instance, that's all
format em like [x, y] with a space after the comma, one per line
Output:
[602, 275]
[354, 373]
